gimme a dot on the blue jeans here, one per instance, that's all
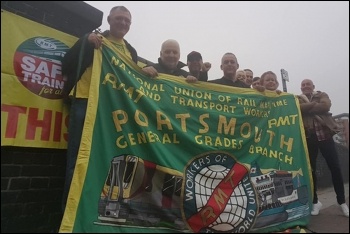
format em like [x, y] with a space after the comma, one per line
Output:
[75, 130]
[329, 152]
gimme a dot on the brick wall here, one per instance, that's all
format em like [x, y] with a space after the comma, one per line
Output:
[31, 189]
[32, 179]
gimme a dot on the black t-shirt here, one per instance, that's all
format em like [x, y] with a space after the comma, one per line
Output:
[229, 82]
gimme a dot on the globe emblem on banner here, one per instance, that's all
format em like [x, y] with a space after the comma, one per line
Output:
[218, 195]
[235, 209]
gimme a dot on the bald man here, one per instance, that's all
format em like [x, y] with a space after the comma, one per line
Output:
[169, 63]
[319, 130]
[229, 66]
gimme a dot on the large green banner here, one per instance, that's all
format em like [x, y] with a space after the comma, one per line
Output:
[163, 155]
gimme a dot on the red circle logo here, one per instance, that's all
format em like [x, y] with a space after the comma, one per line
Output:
[37, 65]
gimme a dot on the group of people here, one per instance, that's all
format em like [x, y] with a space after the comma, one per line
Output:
[314, 106]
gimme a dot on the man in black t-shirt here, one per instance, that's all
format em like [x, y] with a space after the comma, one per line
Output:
[229, 66]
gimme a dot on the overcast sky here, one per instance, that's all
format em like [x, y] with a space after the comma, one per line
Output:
[307, 39]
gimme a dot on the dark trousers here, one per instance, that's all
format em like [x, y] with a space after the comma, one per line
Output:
[75, 129]
[329, 152]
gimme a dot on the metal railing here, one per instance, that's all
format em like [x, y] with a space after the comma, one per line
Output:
[343, 136]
